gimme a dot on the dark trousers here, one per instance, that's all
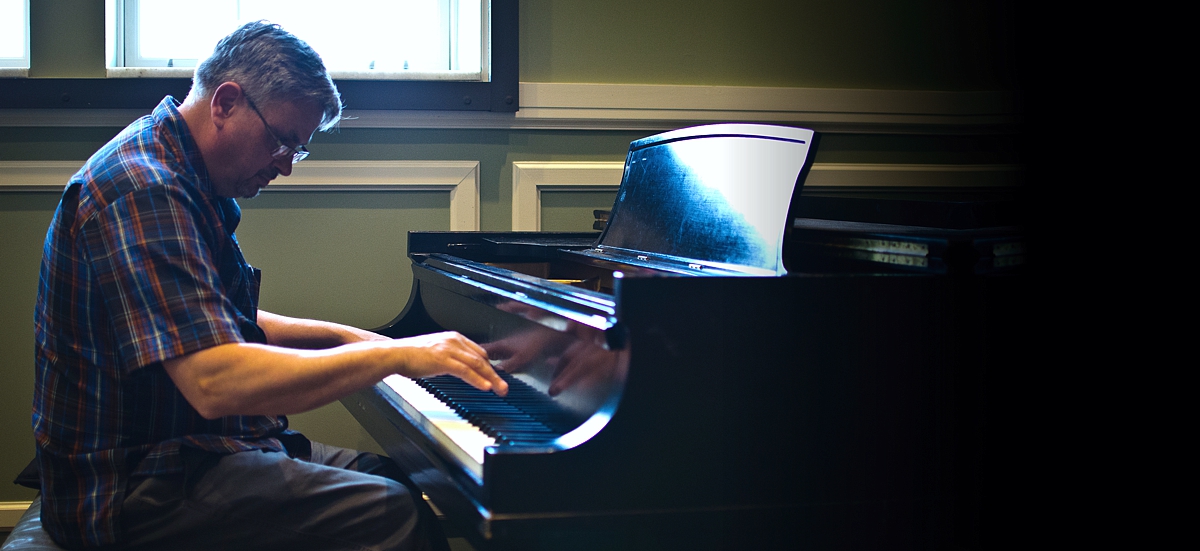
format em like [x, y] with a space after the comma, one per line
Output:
[329, 498]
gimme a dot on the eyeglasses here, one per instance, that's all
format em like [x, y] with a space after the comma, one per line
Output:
[298, 153]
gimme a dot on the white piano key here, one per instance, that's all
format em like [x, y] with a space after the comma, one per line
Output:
[466, 436]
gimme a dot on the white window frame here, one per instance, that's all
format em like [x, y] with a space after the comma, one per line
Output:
[17, 66]
[121, 61]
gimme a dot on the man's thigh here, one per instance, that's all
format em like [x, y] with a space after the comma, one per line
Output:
[257, 500]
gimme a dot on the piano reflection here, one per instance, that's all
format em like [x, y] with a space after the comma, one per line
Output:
[676, 383]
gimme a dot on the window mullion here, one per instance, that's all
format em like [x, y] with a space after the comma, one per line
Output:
[451, 33]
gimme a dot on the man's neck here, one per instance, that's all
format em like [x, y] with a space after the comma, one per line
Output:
[196, 116]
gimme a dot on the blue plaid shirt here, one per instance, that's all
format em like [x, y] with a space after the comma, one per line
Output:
[140, 265]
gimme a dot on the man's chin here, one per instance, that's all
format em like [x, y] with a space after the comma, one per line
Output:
[250, 189]
[241, 189]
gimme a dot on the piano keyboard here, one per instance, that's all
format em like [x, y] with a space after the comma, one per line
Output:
[465, 435]
[473, 419]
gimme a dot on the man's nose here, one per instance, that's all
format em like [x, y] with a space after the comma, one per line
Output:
[284, 165]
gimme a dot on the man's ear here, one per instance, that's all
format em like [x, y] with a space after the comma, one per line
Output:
[224, 102]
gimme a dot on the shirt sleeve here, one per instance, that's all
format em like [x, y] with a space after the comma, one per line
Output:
[154, 254]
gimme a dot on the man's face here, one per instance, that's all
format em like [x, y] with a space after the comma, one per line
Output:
[260, 131]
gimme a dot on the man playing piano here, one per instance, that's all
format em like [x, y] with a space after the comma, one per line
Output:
[161, 389]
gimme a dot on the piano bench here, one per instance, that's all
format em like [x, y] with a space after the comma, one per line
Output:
[28, 535]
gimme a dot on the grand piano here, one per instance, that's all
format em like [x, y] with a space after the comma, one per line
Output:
[716, 369]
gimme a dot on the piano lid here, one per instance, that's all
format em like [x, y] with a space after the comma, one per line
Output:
[710, 199]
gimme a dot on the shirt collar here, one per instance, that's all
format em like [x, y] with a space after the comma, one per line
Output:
[167, 114]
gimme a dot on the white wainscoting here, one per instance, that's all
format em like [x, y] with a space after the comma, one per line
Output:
[531, 178]
[460, 178]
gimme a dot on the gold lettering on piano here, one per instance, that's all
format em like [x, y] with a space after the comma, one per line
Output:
[1007, 249]
[1008, 261]
[887, 246]
[895, 259]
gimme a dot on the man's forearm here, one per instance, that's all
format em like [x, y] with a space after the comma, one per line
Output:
[256, 379]
[253, 379]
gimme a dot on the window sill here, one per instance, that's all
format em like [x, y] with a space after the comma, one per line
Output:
[149, 72]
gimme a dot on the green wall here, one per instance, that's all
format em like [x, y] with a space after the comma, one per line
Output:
[21, 216]
[340, 255]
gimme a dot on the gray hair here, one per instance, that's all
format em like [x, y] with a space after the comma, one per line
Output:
[270, 64]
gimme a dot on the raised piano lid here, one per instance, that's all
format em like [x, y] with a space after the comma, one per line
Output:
[710, 199]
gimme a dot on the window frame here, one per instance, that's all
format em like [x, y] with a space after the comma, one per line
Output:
[500, 94]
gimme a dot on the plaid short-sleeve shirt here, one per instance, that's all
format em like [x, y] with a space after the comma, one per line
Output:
[140, 265]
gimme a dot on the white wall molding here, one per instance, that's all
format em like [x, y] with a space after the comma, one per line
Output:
[36, 175]
[585, 106]
[531, 178]
[460, 178]
[10, 513]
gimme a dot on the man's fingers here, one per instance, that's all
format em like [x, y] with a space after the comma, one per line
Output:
[482, 377]
[479, 372]
[488, 373]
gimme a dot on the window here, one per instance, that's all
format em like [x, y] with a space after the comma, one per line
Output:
[496, 88]
[360, 39]
[14, 34]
